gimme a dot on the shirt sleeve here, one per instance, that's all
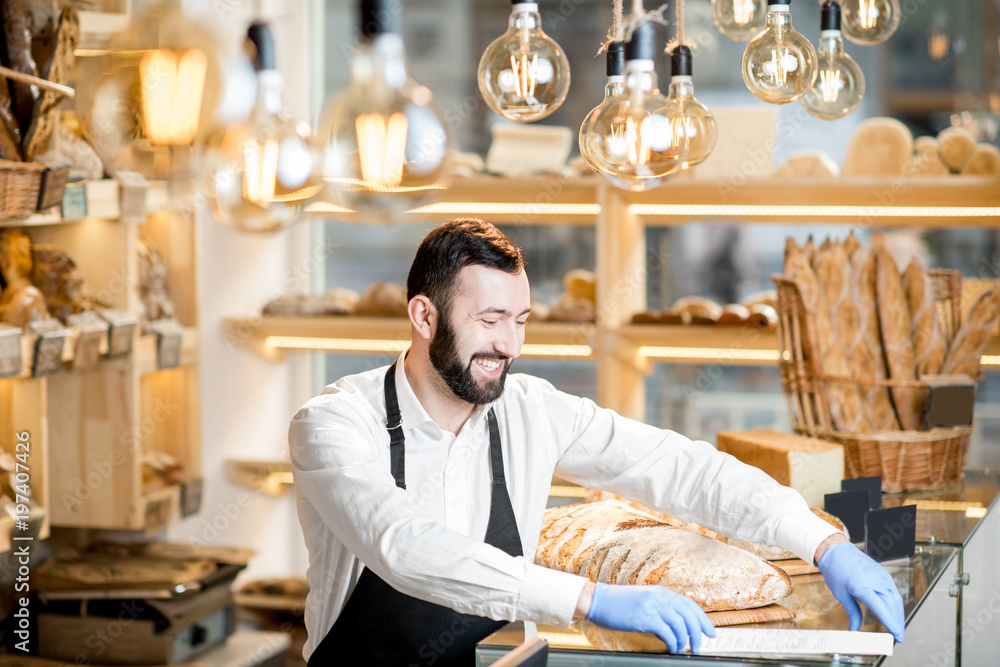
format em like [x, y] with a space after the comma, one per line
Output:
[337, 470]
[688, 479]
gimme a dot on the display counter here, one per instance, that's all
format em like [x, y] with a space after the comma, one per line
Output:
[950, 589]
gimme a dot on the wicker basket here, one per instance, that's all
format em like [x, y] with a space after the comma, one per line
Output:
[19, 186]
[905, 460]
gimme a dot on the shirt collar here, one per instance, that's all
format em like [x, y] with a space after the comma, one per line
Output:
[413, 413]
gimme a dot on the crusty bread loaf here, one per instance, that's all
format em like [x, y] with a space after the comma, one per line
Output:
[966, 349]
[764, 551]
[868, 337]
[764, 298]
[733, 314]
[843, 360]
[580, 283]
[851, 243]
[816, 338]
[895, 322]
[928, 341]
[985, 160]
[382, 299]
[698, 309]
[956, 145]
[879, 147]
[611, 543]
[569, 308]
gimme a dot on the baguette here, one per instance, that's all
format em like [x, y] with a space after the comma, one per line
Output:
[966, 350]
[928, 341]
[880, 411]
[895, 322]
[612, 543]
[847, 404]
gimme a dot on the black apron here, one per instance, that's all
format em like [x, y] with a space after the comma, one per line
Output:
[382, 627]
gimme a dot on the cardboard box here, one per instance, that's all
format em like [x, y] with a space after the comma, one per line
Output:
[136, 632]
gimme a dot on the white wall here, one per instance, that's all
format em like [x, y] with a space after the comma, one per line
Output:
[247, 401]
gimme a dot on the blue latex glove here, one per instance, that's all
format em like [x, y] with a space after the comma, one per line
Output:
[673, 618]
[854, 577]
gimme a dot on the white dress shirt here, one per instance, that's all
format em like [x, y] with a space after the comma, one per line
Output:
[427, 540]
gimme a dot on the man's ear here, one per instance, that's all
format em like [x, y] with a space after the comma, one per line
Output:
[423, 316]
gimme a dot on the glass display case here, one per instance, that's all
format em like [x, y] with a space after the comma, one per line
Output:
[948, 614]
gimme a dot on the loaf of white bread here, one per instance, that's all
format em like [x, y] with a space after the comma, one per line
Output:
[612, 543]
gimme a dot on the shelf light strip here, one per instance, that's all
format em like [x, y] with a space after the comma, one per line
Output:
[480, 208]
[509, 208]
[716, 354]
[385, 345]
[777, 211]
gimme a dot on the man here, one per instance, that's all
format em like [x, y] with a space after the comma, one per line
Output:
[421, 488]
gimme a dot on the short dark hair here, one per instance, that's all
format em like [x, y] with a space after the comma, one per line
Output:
[452, 246]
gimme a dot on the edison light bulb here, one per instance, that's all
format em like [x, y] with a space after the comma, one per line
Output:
[779, 64]
[739, 19]
[524, 75]
[699, 123]
[840, 83]
[870, 22]
[636, 136]
[383, 143]
[590, 136]
[264, 170]
[162, 86]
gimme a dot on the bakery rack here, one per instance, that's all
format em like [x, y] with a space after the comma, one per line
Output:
[625, 352]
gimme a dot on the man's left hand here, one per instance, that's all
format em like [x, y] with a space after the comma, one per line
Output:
[854, 577]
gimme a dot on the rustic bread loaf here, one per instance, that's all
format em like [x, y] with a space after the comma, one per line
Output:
[611, 543]
[966, 350]
[764, 551]
[698, 309]
[868, 339]
[895, 322]
[929, 344]
[845, 360]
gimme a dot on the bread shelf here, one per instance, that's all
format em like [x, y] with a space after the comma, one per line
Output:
[963, 201]
[271, 336]
[104, 202]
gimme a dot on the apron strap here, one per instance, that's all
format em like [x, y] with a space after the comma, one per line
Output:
[394, 424]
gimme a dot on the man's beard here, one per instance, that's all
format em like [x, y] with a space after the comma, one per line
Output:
[457, 376]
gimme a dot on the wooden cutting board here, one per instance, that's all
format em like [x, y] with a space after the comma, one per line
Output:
[772, 612]
[795, 567]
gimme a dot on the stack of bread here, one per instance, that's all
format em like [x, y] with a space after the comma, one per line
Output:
[870, 321]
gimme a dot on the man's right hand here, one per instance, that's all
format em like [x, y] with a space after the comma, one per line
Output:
[673, 618]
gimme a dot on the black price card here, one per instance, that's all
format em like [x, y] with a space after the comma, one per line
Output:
[891, 533]
[850, 507]
[873, 484]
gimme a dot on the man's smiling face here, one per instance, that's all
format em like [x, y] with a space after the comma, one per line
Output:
[481, 333]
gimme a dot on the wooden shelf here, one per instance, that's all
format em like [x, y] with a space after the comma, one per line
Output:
[962, 201]
[271, 477]
[876, 202]
[103, 203]
[271, 336]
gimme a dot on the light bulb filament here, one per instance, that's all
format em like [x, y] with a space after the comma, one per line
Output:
[636, 142]
[525, 75]
[775, 67]
[171, 95]
[742, 11]
[260, 173]
[381, 147]
[868, 15]
[830, 84]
